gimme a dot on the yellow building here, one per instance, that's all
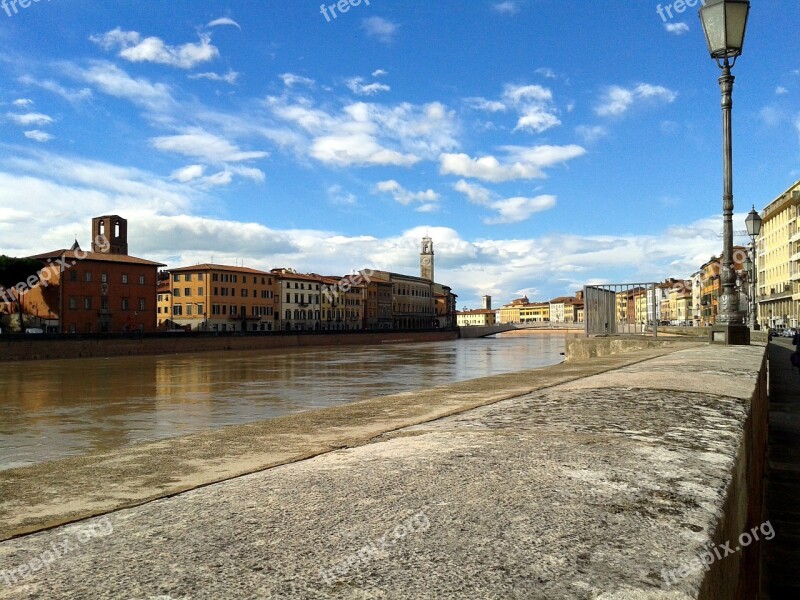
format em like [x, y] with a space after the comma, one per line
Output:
[536, 312]
[778, 259]
[478, 317]
[511, 313]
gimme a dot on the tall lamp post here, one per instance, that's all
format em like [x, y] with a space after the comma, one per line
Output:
[724, 23]
[753, 224]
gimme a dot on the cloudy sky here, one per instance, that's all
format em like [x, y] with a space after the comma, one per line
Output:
[543, 144]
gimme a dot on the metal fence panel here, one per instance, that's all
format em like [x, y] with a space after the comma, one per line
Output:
[622, 309]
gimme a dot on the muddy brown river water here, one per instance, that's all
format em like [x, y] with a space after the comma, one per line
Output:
[58, 408]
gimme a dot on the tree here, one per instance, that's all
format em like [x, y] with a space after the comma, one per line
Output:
[14, 276]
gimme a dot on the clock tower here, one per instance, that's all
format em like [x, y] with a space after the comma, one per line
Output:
[426, 259]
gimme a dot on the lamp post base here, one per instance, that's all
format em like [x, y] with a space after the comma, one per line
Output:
[730, 334]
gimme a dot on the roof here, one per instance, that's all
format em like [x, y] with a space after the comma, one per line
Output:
[80, 255]
[284, 274]
[215, 267]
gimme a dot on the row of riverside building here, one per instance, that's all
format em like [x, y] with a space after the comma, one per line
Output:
[105, 290]
[561, 310]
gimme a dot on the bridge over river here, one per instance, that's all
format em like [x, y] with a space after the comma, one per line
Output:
[478, 331]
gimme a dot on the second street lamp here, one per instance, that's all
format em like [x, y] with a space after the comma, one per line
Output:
[753, 224]
[724, 24]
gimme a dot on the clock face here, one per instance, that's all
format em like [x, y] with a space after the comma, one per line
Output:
[426, 260]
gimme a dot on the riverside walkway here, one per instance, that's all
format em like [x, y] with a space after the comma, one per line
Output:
[782, 564]
[605, 480]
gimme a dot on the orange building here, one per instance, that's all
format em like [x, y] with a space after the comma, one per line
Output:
[104, 290]
[210, 297]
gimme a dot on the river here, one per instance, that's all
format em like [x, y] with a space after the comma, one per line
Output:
[58, 408]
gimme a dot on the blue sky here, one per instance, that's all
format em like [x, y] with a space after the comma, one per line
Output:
[543, 144]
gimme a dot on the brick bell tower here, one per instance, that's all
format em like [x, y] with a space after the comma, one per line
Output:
[110, 235]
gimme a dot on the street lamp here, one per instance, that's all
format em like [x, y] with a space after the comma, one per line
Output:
[753, 224]
[724, 23]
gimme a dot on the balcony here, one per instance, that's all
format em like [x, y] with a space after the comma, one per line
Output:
[795, 237]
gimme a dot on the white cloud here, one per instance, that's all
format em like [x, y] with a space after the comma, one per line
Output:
[134, 48]
[198, 143]
[291, 80]
[509, 210]
[406, 197]
[337, 195]
[72, 96]
[379, 73]
[38, 136]
[534, 104]
[780, 90]
[379, 28]
[591, 133]
[28, 119]
[22, 102]
[616, 100]
[508, 7]
[112, 80]
[163, 226]
[521, 163]
[366, 134]
[676, 28]
[224, 21]
[188, 173]
[484, 104]
[358, 87]
[546, 72]
[230, 77]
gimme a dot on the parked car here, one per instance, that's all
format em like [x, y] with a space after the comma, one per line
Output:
[34, 330]
[788, 333]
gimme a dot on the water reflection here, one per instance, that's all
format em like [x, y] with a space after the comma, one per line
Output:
[52, 409]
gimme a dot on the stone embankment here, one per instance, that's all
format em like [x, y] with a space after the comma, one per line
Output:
[633, 476]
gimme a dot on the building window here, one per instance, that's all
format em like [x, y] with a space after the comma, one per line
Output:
[176, 277]
[187, 292]
[200, 310]
[141, 279]
[125, 304]
[176, 293]
[199, 277]
[73, 276]
[87, 276]
[200, 291]
[124, 278]
[87, 304]
[104, 277]
[188, 310]
[141, 304]
[104, 303]
[73, 303]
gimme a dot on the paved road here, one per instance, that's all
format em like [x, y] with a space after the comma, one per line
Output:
[783, 475]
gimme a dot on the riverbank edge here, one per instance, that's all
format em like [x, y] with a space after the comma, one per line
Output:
[32, 347]
[50, 494]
